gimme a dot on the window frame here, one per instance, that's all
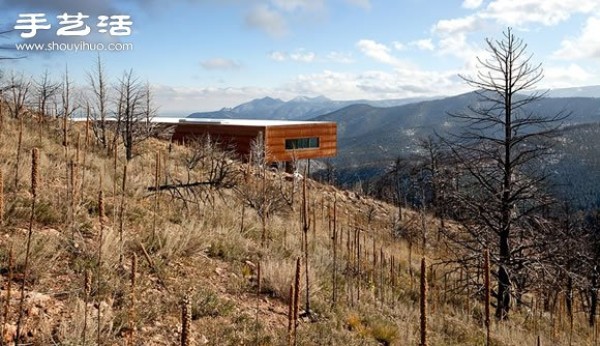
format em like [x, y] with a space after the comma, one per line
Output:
[298, 144]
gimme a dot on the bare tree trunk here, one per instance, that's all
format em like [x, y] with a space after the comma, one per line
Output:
[504, 282]
[593, 301]
[98, 83]
[305, 228]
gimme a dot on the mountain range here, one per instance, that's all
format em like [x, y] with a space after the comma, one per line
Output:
[299, 108]
[305, 107]
[371, 134]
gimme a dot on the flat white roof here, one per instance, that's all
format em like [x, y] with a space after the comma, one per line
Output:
[238, 122]
[246, 122]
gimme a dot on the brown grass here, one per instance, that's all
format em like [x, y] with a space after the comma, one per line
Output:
[200, 243]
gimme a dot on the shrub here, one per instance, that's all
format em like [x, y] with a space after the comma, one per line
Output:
[384, 332]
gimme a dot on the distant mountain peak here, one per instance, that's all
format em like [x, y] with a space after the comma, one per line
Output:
[301, 107]
[259, 105]
[303, 98]
[268, 99]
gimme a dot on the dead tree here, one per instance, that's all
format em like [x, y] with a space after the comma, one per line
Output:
[500, 151]
[18, 94]
[210, 168]
[393, 184]
[134, 112]
[45, 89]
[99, 102]
[68, 107]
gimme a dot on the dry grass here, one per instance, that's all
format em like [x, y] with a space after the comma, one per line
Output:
[199, 247]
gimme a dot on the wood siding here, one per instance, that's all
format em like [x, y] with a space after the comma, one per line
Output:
[276, 136]
[242, 136]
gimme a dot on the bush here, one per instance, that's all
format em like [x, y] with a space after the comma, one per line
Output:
[384, 332]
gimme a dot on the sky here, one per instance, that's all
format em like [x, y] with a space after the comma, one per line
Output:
[203, 55]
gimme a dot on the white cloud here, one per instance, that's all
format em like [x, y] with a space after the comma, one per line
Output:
[452, 39]
[220, 64]
[545, 12]
[300, 55]
[374, 84]
[472, 4]
[458, 46]
[514, 13]
[377, 51]
[566, 76]
[398, 45]
[457, 25]
[278, 56]
[306, 5]
[361, 3]
[586, 45]
[340, 57]
[399, 83]
[185, 100]
[268, 20]
[336, 85]
[452, 35]
[424, 44]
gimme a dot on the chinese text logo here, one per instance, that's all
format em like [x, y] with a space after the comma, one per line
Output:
[74, 24]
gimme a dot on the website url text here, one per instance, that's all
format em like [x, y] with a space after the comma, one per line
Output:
[75, 47]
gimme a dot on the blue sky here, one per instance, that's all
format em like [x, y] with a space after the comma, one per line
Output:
[207, 54]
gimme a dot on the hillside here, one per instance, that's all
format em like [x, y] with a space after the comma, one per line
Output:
[203, 237]
[368, 135]
[576, 165]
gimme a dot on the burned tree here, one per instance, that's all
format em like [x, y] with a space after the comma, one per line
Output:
[501, 154]
[46, 90]
[20, 88]
[393, 185]
[99, 102]
[134, 112]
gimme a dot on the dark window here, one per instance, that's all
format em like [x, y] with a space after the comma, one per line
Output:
[302, 143]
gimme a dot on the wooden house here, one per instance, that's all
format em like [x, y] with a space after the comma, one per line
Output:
[284, 141]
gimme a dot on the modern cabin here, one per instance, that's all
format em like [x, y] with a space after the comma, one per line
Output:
[285, 141]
